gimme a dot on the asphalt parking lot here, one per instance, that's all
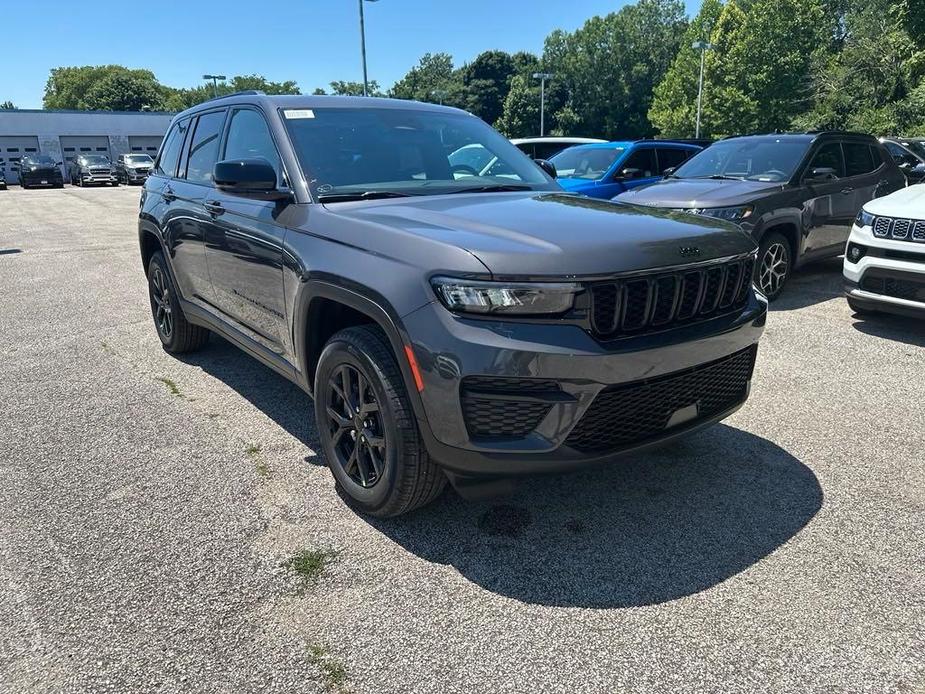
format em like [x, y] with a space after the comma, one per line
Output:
[149, 505]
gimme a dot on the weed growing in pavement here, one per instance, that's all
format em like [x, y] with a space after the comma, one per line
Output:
[171, 386]
[107, 348]
[253, 449]
[332, 669]
[309, 564]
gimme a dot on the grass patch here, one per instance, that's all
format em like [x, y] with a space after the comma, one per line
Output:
[332, 670]
[171, 386]
[263, 469]
[309, 564]
[252, 450]
[107, 348]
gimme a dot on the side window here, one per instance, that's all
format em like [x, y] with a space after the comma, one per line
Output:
[668, 158]
[642, 159]
[899, 154]
[249, 138]
[170, 153]
[828, 157]
[204, 147]
[858, 159]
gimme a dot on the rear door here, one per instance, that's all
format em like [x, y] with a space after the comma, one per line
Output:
[671, 157]
[643, 160]
[244, 239]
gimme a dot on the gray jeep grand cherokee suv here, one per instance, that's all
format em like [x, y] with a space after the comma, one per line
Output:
[448, 325]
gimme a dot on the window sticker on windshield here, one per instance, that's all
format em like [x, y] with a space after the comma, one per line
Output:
[293, 113]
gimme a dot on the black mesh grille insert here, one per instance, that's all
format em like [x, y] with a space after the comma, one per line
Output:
[659, 301]
[909, 287]
[633, 413]
[503, 408]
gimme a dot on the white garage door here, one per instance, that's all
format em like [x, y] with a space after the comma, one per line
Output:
[144, 144]
[72, 145]
[12, 149]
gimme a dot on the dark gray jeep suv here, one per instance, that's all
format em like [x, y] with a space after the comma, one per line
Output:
[448, 324]
[796, 193]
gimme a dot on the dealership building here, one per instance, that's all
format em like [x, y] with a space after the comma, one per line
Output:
[65, 134]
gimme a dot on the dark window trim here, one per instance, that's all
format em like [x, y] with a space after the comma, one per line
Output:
[157, 160]
[184, 159]
[284, 185]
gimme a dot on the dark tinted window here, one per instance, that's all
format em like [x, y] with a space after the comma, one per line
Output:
[249, 138]
[858, 159]
[544, 150]
[668, 158]
[642, 159]
[170, 153]
[828, 157]
[203, 151]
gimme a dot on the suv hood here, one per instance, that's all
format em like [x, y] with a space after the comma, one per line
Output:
[905, 202]
[550, 234]
[683, 193]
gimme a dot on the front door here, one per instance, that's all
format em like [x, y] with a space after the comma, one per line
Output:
[829, 208]
[244, 244]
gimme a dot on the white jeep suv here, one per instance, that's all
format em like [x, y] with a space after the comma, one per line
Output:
[885, 257]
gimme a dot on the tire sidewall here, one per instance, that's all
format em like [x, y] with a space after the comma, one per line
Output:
[339, 352]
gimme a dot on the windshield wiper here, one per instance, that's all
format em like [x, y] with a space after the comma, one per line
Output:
[718, 177]
[498, 188]
[365, 195]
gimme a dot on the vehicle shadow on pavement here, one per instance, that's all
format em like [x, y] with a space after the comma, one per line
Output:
[643, 531]
[810, 285]
[897, 328]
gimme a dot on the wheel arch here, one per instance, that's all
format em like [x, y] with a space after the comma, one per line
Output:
[788, 226]
[149, 242]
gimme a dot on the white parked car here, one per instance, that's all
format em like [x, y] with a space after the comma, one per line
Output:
[545, 147]
[885, 256]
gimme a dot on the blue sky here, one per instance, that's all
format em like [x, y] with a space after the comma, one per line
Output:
[310, 41]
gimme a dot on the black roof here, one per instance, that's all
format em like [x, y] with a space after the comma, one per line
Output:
[808, 135]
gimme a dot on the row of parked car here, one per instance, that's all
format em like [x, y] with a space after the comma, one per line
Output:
[42, 171]
[459, 313]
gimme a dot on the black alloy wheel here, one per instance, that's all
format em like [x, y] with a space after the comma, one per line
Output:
[356, 427]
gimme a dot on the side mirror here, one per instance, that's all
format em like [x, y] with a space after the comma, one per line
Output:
[822, 173]
[669, 171]
[59, 163]
[547, 166]
[905, 165]
[631, 173]
[249, 177]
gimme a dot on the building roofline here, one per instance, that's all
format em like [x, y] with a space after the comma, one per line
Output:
[107, 113]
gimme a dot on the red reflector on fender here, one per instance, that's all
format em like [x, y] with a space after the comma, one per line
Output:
[413, 363]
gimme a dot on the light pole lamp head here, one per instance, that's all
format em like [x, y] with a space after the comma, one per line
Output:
[701, 46]
[542, 75]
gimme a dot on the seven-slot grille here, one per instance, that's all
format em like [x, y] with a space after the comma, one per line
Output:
[899, 228]
[658, 301]
[633, 413]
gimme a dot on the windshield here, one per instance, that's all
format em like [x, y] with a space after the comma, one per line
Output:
[94, 159]
[915, 147]
[40, 159]
[753, 160]
[138, 159]
[346, 151]
[589, 163]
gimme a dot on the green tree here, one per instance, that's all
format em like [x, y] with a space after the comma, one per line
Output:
[486, 82]
[7, 106]
[124, 92]
[432, 79]
[70, 87]
[606, 70]
[183, 98]
[674, 103]
[242, 83]
[342, 88]
[521, 112]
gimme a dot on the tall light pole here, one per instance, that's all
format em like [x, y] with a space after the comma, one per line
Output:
[439, 94]
[703, 47]
[215, 79]
[542, 77]
[363, 47]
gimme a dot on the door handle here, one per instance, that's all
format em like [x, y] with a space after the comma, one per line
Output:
[168, 194]
[214, 207]
[845, 191]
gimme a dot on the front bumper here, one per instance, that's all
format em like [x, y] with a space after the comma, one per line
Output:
[886, 277]
[41, 178]
[450, 349]
[136, 176]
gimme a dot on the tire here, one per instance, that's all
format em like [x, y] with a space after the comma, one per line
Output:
[774, 266]
[115, 184]
[177, 334]
[360, 363]
[858, 309]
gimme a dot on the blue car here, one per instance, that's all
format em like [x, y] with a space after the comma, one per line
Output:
[610, 168]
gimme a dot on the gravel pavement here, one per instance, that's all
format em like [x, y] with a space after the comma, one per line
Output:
[149, 505]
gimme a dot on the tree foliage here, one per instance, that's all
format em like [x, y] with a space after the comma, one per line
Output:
[7, 106]
[105, 87]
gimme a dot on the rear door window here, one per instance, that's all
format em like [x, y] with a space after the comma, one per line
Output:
[668, 157]
[203, 151]
[170, 153]
[858, 159]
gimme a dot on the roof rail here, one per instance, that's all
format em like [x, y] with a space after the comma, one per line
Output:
[246, 92]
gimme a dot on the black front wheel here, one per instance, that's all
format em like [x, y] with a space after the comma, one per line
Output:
[367, 427]
[774, 265]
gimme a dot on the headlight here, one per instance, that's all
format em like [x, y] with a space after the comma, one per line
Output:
[864, 218]
[540, 298]
[730, 214]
